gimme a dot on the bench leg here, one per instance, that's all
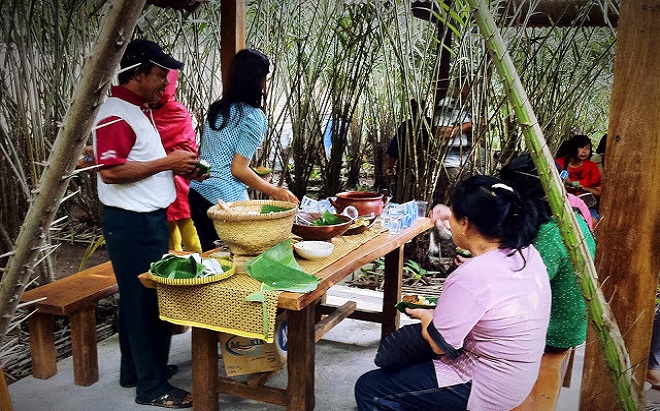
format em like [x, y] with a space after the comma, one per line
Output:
[42, 345]
[83, 347]
[5, 401]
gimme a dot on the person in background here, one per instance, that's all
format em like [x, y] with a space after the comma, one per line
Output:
[583, 174]
[653, 369]
[599, 157]
[489, 325]
[174, 125]
[568, 318]
[235, 126]
[416, 125]
[135, 186]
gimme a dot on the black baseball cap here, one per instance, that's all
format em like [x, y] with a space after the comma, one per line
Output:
[145, 51]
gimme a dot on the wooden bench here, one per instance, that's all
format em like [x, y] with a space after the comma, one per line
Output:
[75, 297]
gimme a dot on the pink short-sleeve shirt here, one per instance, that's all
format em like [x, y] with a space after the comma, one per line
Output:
[495, 310]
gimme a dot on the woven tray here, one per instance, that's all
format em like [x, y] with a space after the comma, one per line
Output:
[195, 281]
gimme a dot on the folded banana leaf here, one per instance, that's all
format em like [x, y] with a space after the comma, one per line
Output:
[327, 218]
[278, 270]
[172, 266]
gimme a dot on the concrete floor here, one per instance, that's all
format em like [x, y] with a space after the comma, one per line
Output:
[344, 354]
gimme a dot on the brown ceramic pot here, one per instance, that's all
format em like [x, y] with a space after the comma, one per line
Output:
[365, 202]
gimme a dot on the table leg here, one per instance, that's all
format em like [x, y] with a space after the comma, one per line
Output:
[392, 291]
[204, 369]
[300, 359]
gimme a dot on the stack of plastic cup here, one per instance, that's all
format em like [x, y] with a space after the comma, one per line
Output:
[396, 213]
[421, 208]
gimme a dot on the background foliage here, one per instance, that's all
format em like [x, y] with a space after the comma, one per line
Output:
[343, 69]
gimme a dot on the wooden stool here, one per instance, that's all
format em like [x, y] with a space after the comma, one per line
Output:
[75, 297]
[545, 393]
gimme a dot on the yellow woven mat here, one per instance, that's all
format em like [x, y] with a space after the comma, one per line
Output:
[343, 245]
[220, 306]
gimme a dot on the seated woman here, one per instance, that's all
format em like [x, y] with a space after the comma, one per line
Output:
[568, 318]
[489, 325]
[583, 174]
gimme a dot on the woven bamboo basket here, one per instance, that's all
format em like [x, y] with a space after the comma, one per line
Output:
[246, 231]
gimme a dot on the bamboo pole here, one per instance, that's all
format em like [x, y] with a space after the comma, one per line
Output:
[609, 335]
[116, 28]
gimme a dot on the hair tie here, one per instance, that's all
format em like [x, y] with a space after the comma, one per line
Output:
[500, 185]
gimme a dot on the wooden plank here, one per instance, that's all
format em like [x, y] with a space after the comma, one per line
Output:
[76, 291]
[627, 258]
[300, 361]
[332, 319]
[361, 314]
[232, 33]
[205, 369]
[42, 345]
[241, 389]
[261, 378]
[83, 347]
[392, 291]
[5, 400]
[366, 253]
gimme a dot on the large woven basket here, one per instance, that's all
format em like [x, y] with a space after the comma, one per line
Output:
[246, 231]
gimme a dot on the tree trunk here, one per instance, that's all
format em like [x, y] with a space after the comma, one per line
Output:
[627, 255]
[608, 333]
[117, 26]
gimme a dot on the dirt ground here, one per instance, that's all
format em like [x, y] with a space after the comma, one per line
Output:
[68, 257]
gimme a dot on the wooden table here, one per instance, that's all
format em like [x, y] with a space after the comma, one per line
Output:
[304, 328]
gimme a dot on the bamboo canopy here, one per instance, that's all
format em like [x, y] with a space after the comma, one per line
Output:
[628, 252]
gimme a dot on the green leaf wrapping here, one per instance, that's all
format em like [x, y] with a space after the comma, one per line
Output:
[267, 208]
[172, 266]
[328, 219]
[278, 270]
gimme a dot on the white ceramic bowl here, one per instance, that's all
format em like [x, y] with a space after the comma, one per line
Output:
[313, 250]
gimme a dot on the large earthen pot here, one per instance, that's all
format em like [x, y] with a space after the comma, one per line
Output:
[366, 202]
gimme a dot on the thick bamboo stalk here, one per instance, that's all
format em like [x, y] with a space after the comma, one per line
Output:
[115, 32]
[609, 335]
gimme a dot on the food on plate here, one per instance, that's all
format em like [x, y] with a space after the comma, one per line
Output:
[359, 222]
[418, 300]
[262, 171]
[463, 252]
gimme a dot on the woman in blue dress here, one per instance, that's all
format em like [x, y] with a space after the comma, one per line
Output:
[235, 127]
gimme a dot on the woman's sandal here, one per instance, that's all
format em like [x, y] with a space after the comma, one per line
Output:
[176, 398]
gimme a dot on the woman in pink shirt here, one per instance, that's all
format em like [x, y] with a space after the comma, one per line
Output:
[488, 329]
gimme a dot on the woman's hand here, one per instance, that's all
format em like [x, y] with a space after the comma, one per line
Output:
[282, 194]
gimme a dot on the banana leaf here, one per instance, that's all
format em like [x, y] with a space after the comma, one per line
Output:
[172, 266]
[328, 219]
[278, 270]
[267, 208]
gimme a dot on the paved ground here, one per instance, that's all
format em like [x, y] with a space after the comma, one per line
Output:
[342, 356]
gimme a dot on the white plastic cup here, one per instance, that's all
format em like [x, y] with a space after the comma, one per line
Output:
[422, 207]
[396, 222]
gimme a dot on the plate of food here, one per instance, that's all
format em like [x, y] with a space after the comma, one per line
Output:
[417, 301]
[361, 224]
